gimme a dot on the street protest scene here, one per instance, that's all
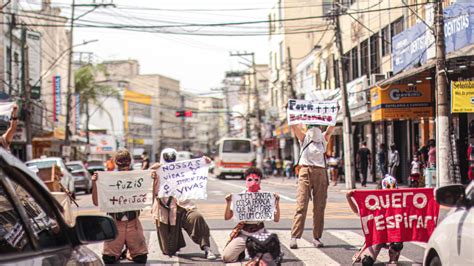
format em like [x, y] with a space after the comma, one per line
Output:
[224, 132]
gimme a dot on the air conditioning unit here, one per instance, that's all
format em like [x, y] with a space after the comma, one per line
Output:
[374, 78]
[389, 74]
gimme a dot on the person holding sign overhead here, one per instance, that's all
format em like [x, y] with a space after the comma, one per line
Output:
[236, 246]
[312, 181]
[130, 231]
[172, 215]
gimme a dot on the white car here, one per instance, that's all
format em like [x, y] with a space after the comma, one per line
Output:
[67, 179]
[452, 242]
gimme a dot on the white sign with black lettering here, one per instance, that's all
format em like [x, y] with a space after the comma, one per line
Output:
[253, 206]
[124, 190]
[184, 180]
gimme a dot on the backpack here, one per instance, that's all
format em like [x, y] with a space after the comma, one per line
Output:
[258, 245]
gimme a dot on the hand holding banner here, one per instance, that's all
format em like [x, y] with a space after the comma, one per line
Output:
[124, 190]
[184, 180]
[312, 112]
[397, 215]
[253, 206]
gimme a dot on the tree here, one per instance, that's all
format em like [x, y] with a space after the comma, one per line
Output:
[91, 90]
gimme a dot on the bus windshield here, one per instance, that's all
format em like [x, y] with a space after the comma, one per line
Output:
[236, 146]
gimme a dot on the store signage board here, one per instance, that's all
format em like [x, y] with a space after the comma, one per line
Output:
[462, 96]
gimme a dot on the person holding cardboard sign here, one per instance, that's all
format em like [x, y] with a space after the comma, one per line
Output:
[312, 181]
[236, 246]
[130, 231]
[172, 215]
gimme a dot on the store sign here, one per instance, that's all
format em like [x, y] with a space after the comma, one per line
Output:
[462, 96]
[56, 97]
[401, 102]
[34, 63]
[417, 44]
[102, 144]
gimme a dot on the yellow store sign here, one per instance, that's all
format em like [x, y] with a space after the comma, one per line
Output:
[462, 96]
[401, 101]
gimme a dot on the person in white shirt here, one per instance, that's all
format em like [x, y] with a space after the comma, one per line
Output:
[393, 160]
[312, 181]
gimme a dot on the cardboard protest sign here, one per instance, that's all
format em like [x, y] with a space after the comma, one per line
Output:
[124, 190]
[312, 112]
[184, 180]
[6, 108]
[397, 215]
[253, 206]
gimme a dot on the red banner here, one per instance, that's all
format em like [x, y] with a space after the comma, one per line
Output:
[397, 215]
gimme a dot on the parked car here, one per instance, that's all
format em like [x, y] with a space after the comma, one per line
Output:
[32, 228]
[95, 166]
[67, 180]
[452, 242]
[82, 178]
[184, 155]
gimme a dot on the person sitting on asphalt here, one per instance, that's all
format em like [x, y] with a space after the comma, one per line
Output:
[369, 256]
[238, 238]
[7, 138]
[171, 216]
[130, 231]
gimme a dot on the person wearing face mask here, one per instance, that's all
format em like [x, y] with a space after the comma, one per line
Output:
[130, 231]
[171, 216]
[235, 248]
[312, 181]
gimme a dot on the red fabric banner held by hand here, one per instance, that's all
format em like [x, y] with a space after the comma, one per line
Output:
[397, 215]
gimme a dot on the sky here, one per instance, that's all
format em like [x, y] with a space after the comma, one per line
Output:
[198, 62]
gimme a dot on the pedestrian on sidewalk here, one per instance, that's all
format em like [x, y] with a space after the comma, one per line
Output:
[130, 231]
[369, 255]
[363, 161]
[273, 165]
[432, 154]
[333, 167]
[288, 166]
[7, 137]
[312, 181]
[393, 161]
[235, 248]
[382, 160]
[172, 215]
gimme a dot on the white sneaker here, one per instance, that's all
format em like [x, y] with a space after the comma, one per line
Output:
[293, 244]
[209, 255]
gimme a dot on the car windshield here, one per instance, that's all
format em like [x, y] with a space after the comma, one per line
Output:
[74, 167]
[236, 146]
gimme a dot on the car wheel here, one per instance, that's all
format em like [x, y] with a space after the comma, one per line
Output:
[435, 261]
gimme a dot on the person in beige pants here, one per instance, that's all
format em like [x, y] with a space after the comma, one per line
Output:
[312, 181]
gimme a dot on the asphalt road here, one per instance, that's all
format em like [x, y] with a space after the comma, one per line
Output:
[342, 236]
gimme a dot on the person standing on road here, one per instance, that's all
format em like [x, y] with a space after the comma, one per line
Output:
[393, 160]
[382, 160]
[7, 138]
[130, 231]
[363, 160]
[171, 216]
[312, 181]
[145, 161]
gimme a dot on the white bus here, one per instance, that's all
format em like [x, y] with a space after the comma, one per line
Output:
[234, 156]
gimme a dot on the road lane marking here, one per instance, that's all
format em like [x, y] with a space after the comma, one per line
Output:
[357, 240]
[305, 252]
[154, 251]
[243, 188]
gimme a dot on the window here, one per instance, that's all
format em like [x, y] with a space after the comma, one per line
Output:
[355, 63]
[236, 146]
[13, 238]
[281, 54]
[364, 57]
[374, 54]
[327, 6]
[396, 27]
[386, 40]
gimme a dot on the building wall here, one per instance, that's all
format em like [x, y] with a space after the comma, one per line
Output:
[211, 126]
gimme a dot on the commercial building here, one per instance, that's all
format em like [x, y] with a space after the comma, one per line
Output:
[212, 123]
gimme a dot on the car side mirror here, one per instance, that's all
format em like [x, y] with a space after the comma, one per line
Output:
[94, 228]
[450, 196]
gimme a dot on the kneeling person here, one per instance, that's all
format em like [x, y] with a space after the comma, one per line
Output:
[130, 231]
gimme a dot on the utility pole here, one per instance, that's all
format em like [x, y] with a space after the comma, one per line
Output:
[26, 91]
[346, 124]
[290, 74]
[10, 53]
[443, 145]
[227, 107]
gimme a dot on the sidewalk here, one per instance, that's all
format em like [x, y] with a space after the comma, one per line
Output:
[341, 186]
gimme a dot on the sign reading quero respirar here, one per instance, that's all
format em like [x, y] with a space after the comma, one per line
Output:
[312, 112]
[184, 180]
[124, 191]
[253, 206]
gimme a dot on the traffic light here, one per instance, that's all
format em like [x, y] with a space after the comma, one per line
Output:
[186, 113]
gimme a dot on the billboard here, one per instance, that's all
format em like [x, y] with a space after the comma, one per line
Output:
[462, 96]
[56, 97]
[103, 144]
[33, 40]
[401, 101]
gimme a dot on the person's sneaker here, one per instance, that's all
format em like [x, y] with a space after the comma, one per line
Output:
[293, 244]
[209, 255]
[317, 243]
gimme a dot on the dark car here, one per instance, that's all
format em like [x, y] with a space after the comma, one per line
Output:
[82, 178]
[32, 229]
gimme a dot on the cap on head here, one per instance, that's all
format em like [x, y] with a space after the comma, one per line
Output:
[123, 158]
[168, 155]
